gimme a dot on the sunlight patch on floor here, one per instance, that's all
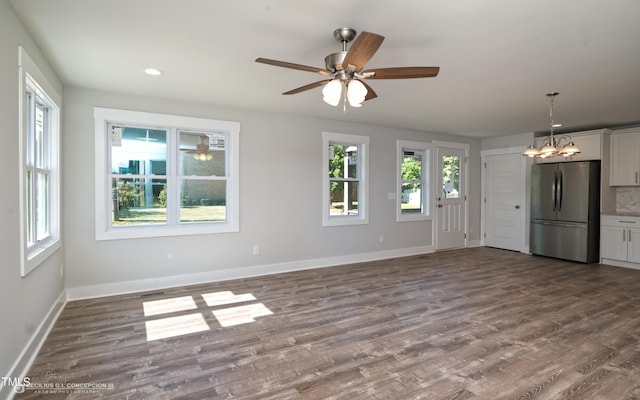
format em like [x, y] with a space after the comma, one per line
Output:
[175, 326]
[168, 305]
[241, 314]
[191, 323]
[221, 298]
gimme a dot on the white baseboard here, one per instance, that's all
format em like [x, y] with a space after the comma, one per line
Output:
[617, 263]
[22, 365]
[117, 288]
[474, 243]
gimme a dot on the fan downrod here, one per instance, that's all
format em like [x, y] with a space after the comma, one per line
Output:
[333, 62]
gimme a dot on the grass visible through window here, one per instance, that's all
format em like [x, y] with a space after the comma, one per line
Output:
[137, 216]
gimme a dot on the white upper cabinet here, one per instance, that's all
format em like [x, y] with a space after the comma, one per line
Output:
[625, 158]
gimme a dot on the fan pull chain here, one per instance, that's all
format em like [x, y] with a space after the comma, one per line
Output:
[344, 97]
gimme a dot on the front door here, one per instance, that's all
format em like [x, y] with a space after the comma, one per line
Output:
[450, 199]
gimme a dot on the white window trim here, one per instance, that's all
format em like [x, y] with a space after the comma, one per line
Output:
[30, 75]
[103, 229]
[426, 180]
[363, 163]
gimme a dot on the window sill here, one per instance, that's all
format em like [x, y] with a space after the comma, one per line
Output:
[411, 218]
[344, 221]
[36, 256]
[163, 231]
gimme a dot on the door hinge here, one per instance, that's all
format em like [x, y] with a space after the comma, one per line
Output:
[485, 234]
[465, 235]
[485, 164]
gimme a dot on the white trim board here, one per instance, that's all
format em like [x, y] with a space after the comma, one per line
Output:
[118, 288]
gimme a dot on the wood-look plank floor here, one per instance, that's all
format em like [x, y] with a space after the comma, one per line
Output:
[476, 323]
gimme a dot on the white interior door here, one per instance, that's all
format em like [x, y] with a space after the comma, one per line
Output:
[504, 208]
[451, 218]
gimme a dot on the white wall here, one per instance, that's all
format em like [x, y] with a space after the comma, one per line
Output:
[503, 142]
[280, 202]
[24, 302]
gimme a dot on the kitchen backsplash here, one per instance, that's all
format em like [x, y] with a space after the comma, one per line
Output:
[628, 199]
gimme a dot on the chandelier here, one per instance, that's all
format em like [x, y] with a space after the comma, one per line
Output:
[553, 145]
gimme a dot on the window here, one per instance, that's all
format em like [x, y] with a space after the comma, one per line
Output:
[164, 175]
[451, 177]
[39, 165]
[413, 182]
[345, 170]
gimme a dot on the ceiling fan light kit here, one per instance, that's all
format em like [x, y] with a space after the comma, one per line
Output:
[356, 93]
[203, 153]
[332, 92]
[552, 143]
[345, 70]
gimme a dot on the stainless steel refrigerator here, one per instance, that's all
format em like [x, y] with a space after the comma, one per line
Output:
[565, 210]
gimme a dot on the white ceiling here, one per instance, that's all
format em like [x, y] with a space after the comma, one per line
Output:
[497, 58]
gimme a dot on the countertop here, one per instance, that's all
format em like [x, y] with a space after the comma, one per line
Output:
[621, 213]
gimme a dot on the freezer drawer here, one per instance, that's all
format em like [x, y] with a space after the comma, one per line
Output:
[568, 241]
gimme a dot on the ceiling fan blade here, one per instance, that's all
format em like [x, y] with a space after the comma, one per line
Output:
[307, 87]
[361, 51]
[402, 72]
[293, 66]
[371, 94]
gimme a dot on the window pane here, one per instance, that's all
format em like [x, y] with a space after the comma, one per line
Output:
[202, 154]
[411, 198]
[344, 198]
[343, 161]
[39, 135]
[412, 184]
[29, 208]
[203, 200]
[412, 165]
[138, 151]
[451, 177]
[138, 201]
[30, 128]
[42, 206]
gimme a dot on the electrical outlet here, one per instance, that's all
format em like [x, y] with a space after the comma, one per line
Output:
[61, 270]
[381, 238]
[256, 250]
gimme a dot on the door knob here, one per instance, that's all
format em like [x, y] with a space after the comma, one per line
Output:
[517, 206]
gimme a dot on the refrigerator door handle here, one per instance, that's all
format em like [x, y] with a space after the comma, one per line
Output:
[562, 224]
[560, 189]
[554, 186]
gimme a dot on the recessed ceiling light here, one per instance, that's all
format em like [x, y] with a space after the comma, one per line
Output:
[152, 71]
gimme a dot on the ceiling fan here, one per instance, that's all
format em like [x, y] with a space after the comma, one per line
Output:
[202, 152]
[346, 69]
